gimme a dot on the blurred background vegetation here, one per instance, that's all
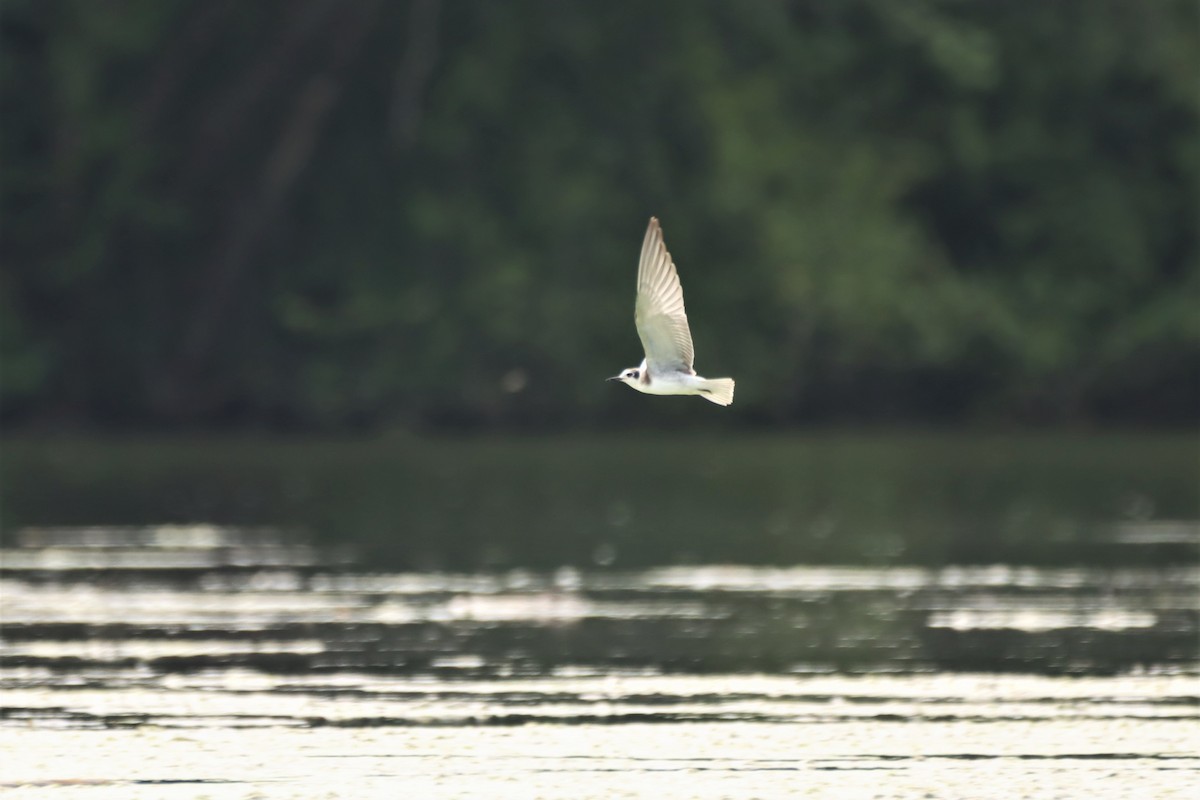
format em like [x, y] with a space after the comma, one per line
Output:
[327, 216]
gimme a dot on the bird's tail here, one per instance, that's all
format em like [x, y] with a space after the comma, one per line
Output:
[718, 390]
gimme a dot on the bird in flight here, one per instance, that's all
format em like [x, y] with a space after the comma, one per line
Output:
[663, 328]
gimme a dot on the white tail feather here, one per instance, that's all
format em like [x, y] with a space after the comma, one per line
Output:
[718, 390]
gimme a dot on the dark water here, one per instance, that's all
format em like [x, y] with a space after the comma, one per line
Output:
[636, 501]
[836, 617]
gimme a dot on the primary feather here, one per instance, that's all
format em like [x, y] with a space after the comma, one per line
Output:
[661, 321]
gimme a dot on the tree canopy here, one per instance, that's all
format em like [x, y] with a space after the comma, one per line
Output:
[323, 215]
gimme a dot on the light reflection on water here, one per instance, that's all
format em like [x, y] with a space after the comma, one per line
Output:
[156, 662]
[251, 599]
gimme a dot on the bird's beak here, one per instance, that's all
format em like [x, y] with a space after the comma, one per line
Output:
[613, 378]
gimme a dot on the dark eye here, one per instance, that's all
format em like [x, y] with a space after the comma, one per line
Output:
[633, 373]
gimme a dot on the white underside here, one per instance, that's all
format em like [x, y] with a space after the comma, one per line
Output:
[715, 390]
[679, 383]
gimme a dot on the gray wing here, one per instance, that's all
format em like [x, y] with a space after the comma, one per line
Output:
[661, 322]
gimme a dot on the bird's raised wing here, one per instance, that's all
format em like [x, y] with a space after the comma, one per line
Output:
[661, 322]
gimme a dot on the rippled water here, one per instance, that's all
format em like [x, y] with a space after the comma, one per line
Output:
[199, 661]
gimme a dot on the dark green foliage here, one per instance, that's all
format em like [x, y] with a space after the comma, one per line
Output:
[314, 214]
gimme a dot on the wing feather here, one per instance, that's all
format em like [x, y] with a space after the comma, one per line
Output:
[661, 320]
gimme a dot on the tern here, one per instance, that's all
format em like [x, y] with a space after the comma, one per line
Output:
[663, 328]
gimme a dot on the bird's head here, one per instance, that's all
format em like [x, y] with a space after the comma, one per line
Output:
[630, 376]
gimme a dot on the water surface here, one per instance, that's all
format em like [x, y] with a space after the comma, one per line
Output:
[907, 617]
[651, 499]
